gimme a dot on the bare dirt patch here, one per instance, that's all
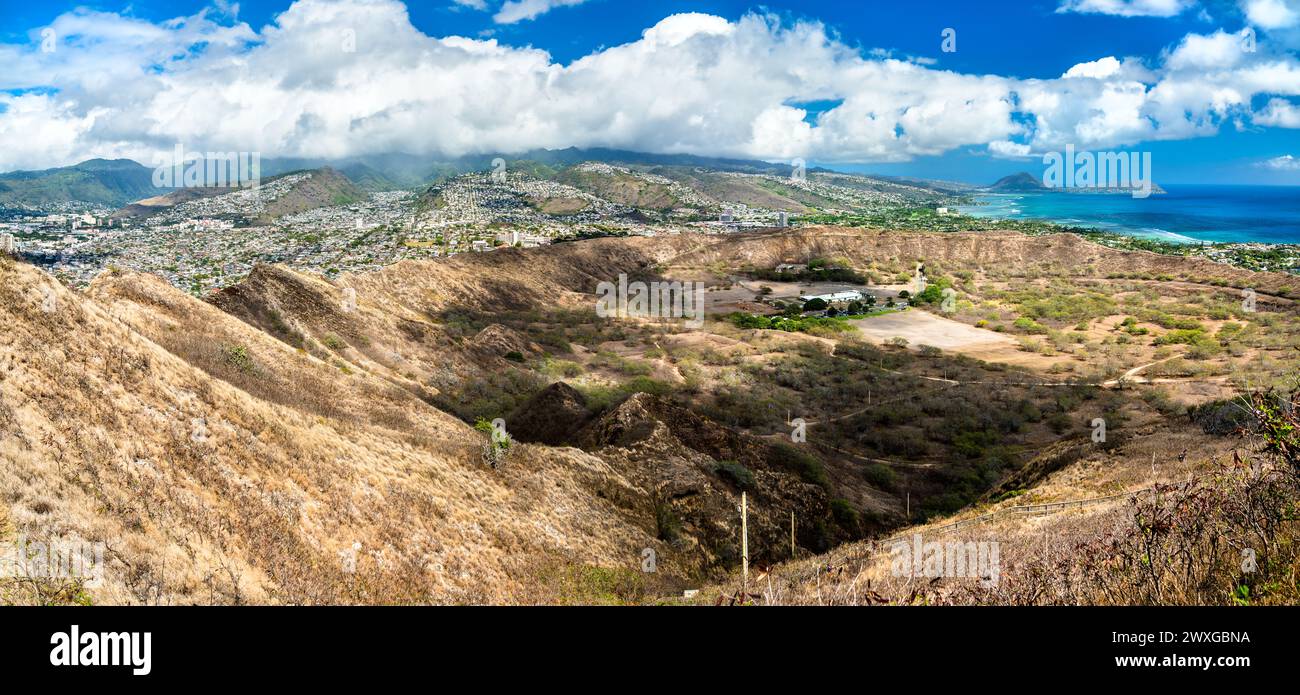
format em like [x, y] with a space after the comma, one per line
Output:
[923, 328]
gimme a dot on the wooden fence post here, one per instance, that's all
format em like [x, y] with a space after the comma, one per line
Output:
[744, 546]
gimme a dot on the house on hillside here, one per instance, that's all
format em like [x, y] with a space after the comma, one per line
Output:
[834, 297]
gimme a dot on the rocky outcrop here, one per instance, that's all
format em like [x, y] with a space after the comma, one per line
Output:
[497, 341]
[695, 471]
[552, 417]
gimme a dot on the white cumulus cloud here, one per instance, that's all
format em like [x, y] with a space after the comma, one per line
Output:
[1097, 69]
[521, 10]
[1272, 14]
[337, 78]
[1279, 113]
[1005, 149]
[1284, 163]
[1218, 50]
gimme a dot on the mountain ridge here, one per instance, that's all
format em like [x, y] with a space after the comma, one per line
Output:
[98, 181]
[119, 183]
[1025, 182]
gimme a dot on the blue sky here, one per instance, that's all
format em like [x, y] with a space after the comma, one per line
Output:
[1024, 38]
[873, 90]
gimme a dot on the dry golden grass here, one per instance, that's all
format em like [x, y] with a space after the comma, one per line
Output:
[219, 480]
[1182, 545]
[270, 447]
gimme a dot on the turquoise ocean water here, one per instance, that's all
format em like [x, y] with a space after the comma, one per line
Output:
[1185, 214]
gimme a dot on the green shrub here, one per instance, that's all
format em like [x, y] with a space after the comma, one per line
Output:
[667, 526]
[736, 474]
[1029, 325]
[807, 466]
[560, 368]
[845, 515]
[932, 294]
[237, 356]
[1059, 423]
[557, 340]
[790, 324]
[644, 384]
[972, 444]
[880, 476]
[1190, 336]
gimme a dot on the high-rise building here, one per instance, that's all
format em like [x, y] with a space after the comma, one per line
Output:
[8, 245]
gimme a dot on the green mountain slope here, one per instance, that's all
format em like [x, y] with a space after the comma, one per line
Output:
[1021, 182]
[326, 188]
[101, 181]
[622, 188]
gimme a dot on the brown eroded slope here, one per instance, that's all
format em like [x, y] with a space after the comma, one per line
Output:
[257, 447]
[242, 449]
[220, 465]
[1065, 254]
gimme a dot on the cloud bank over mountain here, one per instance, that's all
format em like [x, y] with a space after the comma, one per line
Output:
[334, 78]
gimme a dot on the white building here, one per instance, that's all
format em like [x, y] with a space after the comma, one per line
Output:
[834, 297]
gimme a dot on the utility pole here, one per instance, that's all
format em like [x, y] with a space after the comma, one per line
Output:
[909, 506]
[744, 547]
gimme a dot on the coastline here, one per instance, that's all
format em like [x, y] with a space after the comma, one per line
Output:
[1187, 214]
[1008, 206]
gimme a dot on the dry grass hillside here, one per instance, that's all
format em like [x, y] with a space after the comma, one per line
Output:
[1137, 525]
[221, 465]
[243, 449]
[300, 440]
[1059, 254]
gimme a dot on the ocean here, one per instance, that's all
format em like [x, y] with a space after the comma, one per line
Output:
[1185, 214]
